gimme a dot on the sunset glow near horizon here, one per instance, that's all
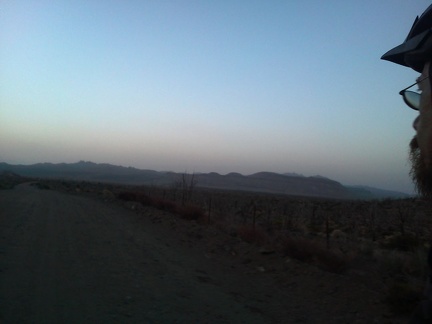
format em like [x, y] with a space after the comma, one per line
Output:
[209, 86]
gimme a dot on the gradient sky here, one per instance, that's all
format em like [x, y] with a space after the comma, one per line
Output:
[202, 86]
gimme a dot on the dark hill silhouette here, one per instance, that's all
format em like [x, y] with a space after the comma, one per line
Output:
[276, 183]
[266, 182]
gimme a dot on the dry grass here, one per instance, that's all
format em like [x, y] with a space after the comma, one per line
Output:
[142, 198]
[190, 211]
[308, 250]
[251, 234]
[401, 242]
[186, 211]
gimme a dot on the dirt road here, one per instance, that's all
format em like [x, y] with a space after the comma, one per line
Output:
[71, 259]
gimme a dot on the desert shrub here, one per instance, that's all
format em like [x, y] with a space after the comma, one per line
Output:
[402, 264]
[5, 186]
[8, 180]
[338, 234]
[332, 261]
[142, 198]
[107, 193]
[418, 266]
[402, 298]
[401, 242]
[189, 211]
[127, 196]
[299, 248]
[366, 247]
[163, 204]
[251, 234]
[307, 250]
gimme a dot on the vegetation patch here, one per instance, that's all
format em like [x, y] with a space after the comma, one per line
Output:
[383, 238]
[251, 234]
[307, 250]
[190, 211]
[8, 180]
[299, 248]
[401, 242]
[187, 211]
[397, 264]
[142, 198]
[402, 298]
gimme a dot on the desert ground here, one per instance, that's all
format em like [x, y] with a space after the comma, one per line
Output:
[80, 258]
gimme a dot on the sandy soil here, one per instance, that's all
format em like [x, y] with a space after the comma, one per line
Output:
[73, 259]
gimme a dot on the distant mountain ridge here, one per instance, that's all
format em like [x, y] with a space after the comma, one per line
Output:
[265, 182]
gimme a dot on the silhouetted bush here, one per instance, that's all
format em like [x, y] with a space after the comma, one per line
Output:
[307, 250]
[164, 204]
[402, 298]
[405, 242]
[127, 196]
[251, 234]
[188, 211]
[299, 248]
[142, 198]
[191, 212]
[332, 261]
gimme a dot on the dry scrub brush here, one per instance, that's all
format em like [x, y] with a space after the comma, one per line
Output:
[186, 211]
[310, 251]
[389, 235]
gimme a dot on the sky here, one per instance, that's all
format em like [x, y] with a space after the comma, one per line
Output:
[209, 86]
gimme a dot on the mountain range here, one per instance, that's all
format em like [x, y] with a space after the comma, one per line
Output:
[264, 182]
